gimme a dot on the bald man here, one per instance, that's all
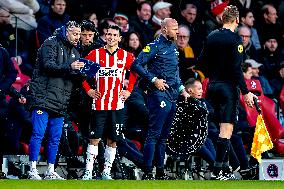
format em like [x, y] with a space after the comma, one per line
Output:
[164, 87]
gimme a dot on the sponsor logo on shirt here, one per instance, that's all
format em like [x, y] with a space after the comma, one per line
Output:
[110, 72]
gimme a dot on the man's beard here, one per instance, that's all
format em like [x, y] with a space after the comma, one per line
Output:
[171, 38]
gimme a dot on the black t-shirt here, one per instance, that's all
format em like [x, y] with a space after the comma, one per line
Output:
[223, 55]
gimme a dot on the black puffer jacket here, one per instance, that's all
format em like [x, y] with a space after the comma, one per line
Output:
[52, 83]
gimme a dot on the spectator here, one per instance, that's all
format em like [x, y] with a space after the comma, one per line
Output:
[197, 30]
[161, 11]
[8, 76]
[247, 70]
[249, 50]
[278, 81]
[102, 28]
[269, 24]
[51, 86]
[271, 56]
[22, 13]
[92, 17]
[44, 8]
[132, 43]
[186, 54]
[266, 88]
[122, 21]
[247, 19]
[214, 19]
[140, 23]
[55, 19]
[10, 39]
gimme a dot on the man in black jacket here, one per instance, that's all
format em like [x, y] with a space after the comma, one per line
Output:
[141, 24]
[7, 77]
[51, 85]
[223, 53]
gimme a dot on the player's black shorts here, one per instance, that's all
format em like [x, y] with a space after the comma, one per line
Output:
[224, 98]
[106, 123]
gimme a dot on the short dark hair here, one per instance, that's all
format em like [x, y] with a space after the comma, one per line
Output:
[88, 26]
[115, 27]
[53, 1]
[139, 6]
[103, 24]
[184, 6]
[245, 66]
[244, 12]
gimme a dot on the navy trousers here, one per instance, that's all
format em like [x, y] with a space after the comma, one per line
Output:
[161, 114]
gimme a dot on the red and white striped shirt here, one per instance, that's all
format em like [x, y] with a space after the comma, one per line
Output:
[110, 77]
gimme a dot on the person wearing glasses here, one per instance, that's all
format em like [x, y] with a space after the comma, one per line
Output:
[250, 51]
[187, 58]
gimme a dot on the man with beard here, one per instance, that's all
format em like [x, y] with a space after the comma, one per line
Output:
[162, 75]
[51, 85]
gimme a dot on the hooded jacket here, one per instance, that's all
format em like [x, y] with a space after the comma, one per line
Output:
[52, 83]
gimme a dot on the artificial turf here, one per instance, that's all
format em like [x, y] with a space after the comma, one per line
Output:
[127, 184]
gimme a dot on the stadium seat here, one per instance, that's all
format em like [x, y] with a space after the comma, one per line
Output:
[281, 99]
[21, 79]
[267, 106]
[24, 147]
[204, 87]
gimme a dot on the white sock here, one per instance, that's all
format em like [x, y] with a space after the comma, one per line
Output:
[92, 152]
[32, 165]
[109, 158]
[50, 168]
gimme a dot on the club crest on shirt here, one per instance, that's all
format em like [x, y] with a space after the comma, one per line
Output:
[240, 48]
[39, 112]
[146, 49]
[119, 63]
[163, 104]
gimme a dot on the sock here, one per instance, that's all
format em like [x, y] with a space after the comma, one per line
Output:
[159, 171]
[225, 166]
[221, 150]
[92, 152]
[109, 158]
[32, 165]
[50, 168]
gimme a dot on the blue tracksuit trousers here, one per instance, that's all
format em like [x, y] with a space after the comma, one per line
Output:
[41, 122]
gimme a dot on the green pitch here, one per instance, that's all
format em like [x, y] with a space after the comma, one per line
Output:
[123, 184]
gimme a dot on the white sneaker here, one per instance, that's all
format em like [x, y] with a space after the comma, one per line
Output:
[52, 176]
[33, 174]
[106, 176]
[87, 175]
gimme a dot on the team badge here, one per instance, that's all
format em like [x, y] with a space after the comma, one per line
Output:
[39, 112]
[240, 48]
[12, 37]
[163, 104]
[146, 49]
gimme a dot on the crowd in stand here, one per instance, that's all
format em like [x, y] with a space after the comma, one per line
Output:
[26, 24]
